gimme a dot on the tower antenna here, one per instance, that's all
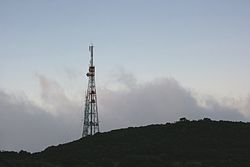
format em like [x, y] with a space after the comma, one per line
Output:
[91, 122]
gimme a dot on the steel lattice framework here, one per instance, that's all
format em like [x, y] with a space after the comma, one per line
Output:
[91, 122]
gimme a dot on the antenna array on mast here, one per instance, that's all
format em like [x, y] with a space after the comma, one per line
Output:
[91, 122]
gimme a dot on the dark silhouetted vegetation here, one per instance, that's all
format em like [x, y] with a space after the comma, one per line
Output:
[203, 143]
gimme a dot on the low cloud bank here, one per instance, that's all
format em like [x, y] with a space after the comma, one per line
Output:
[24, 125]
[161, 101]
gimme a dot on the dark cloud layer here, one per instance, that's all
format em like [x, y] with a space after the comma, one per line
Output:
[26, 125]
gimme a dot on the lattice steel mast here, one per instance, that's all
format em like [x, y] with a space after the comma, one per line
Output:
[91, 122]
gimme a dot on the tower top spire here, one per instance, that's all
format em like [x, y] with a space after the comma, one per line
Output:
[91, 49]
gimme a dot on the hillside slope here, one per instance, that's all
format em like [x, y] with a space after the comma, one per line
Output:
[203, 143]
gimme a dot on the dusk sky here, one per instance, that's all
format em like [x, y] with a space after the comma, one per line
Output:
[156, 61]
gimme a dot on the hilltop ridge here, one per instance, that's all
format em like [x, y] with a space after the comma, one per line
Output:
[202, 143]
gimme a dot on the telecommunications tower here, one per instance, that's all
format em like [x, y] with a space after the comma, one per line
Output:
[91, 122]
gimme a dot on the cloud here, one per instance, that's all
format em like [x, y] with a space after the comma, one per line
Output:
[71, 73]
[53, 96]
[157, 101]
[27, 125]
[128, 80]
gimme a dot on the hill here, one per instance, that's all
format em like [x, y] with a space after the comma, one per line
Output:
[202, 143]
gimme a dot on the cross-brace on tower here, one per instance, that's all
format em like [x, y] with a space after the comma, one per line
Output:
[91, 122]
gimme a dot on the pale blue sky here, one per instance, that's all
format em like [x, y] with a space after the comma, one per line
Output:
[204, 44]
